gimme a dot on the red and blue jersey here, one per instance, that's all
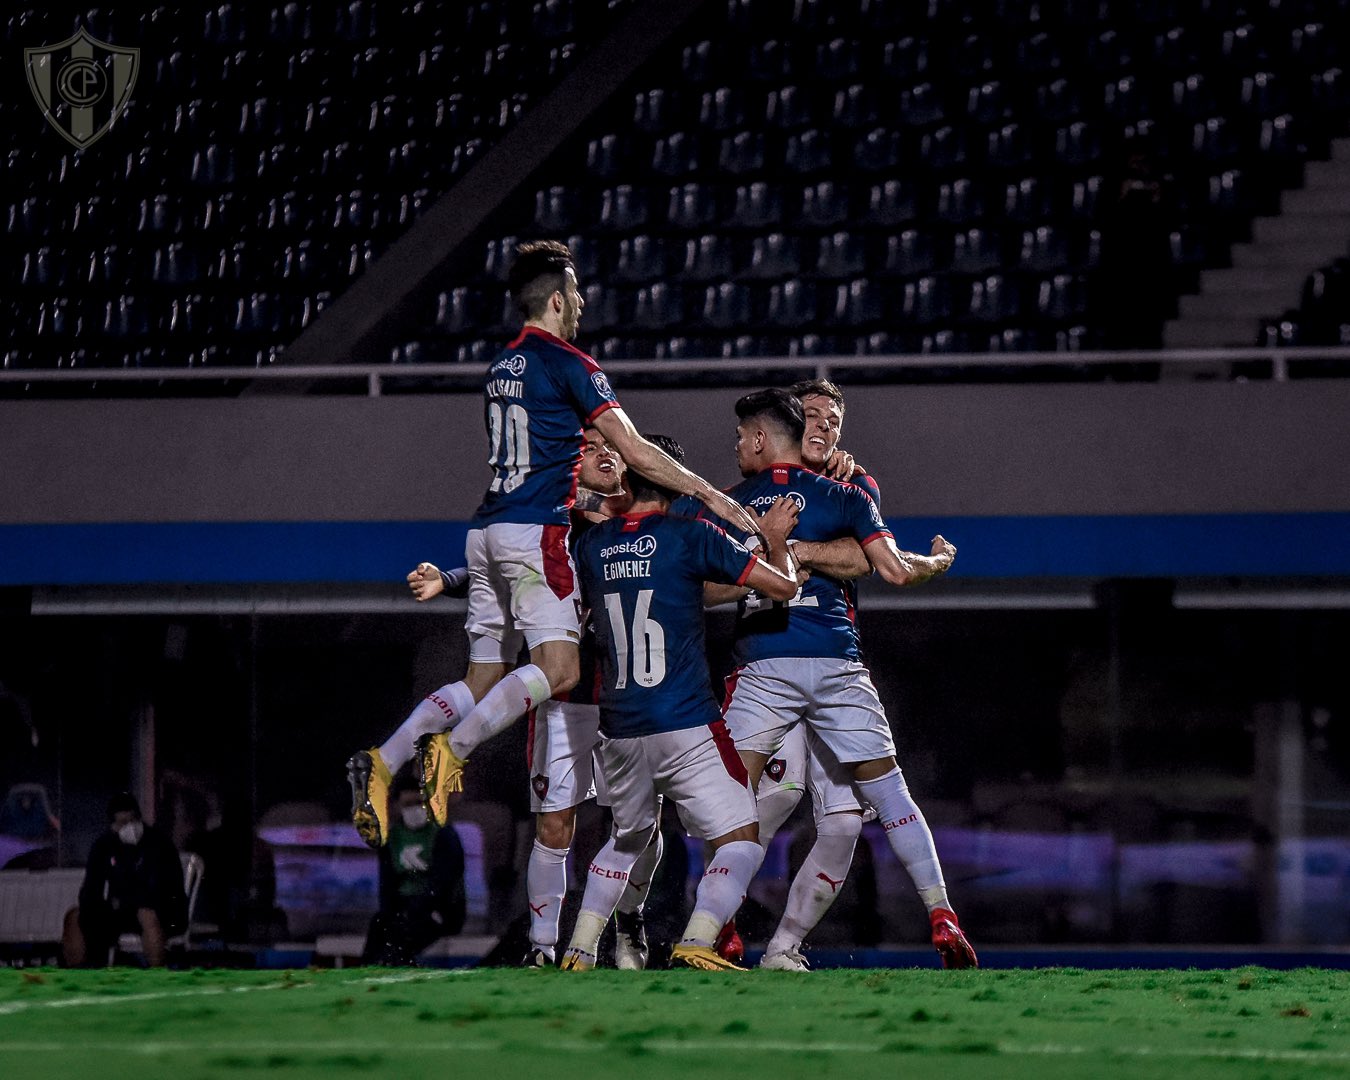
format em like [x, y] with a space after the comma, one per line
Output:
[538, 394]
[642, 578]
[819, 620]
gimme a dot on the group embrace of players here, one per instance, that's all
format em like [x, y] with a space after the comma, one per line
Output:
[598, 550]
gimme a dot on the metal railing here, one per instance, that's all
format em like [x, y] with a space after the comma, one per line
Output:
[1179, 363]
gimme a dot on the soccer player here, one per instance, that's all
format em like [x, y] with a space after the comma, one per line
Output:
[538, 394]
[801, 661]
[642, 577]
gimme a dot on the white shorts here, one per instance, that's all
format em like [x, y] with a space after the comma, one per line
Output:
[521, 579]
[697, 768]
[561, 752]
[836, 697]
[805, 763]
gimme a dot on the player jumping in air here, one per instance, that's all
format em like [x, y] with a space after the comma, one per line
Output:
[538, 394]
[642, 577]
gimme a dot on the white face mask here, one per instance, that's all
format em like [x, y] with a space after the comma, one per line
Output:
[414, 817]
[131, 832]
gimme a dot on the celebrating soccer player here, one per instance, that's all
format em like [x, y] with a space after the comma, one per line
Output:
[642, 577]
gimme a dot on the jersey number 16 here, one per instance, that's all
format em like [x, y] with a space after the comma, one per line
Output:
[648, 641]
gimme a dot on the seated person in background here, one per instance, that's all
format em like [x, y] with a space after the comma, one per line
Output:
[421, 883]
[133, 885]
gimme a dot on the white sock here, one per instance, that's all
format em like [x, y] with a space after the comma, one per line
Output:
[774, 809]
[606, 880]
[440, 709]
[817, 883]
[722, 889]
[518, 693]
[640, 877]
[907, 833]
[545, 887]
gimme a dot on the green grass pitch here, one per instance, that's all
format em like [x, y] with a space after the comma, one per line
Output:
[499, 1024]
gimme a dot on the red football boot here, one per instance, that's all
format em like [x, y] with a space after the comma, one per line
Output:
[729, 945]
[950, 943]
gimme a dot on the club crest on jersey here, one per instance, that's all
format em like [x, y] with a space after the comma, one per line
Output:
[514, 364]
[540, 785]
[601, 381]
[776, 770]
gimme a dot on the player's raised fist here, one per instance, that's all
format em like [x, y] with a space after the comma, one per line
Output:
[425, 582]
[942, 546]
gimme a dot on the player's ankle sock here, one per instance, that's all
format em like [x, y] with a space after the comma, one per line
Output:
[640, 877]
[518, 693]
[722, 889]
[545, 887]
[440, 709]
[907, 833]
[817, 883]
[774, 809]
[606, 880]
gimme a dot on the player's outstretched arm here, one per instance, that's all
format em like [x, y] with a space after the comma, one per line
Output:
[842, 559]
[427, 580]
[907, 568]
[659, 467]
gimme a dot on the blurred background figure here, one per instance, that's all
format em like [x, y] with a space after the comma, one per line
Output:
[421, 883]
[133, 884]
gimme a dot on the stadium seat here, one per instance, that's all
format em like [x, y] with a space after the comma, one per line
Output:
[808, 151]
[772, 256]
[840, 254]
[791, 303]
[824, 204]
[742, 152]
[676, 154]
[960, 201]
[909, 253]
[892, 202]
[722, 109]
[623, 208]
[641, 258]
[692, 206]
[880, 150]
[993, 298]
[706, 257]
[757, 205]
[657, 306]
[788, 108]
[725, 305]
[858, 303]
[975, 250]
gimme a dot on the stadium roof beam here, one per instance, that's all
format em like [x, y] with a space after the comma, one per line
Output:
[361, 324]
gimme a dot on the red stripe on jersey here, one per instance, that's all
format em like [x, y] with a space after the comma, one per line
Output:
[535, 331]
[557, 566]
[875, 536]
[730, 690]
[529, 743]
[727, 750]
[748, 567]
[603, 408]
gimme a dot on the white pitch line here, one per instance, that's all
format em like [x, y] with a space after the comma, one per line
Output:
[154, 1048]
[12, 1007]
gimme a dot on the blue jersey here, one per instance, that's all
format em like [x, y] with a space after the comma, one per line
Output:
[538, 394]
[642, 578]
[818, 621]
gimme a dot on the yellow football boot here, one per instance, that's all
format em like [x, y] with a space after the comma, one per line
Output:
[370, 779]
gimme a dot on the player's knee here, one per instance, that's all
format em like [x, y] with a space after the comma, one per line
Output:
[555, 829]
[845, 824]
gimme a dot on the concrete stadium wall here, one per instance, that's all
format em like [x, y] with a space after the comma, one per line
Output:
[413, 466]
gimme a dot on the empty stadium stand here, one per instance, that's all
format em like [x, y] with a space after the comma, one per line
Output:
[787, 177]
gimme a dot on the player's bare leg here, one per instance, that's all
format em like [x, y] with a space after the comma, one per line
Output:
[546, 881]
[736, 859]
[881, 783]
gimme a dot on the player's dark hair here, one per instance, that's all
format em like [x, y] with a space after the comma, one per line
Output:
[538, 272]
[818, 387]
[781, 407]
[644, 489]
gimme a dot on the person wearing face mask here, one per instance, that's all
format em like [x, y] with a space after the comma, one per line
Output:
[421, 883]
[133, 884]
